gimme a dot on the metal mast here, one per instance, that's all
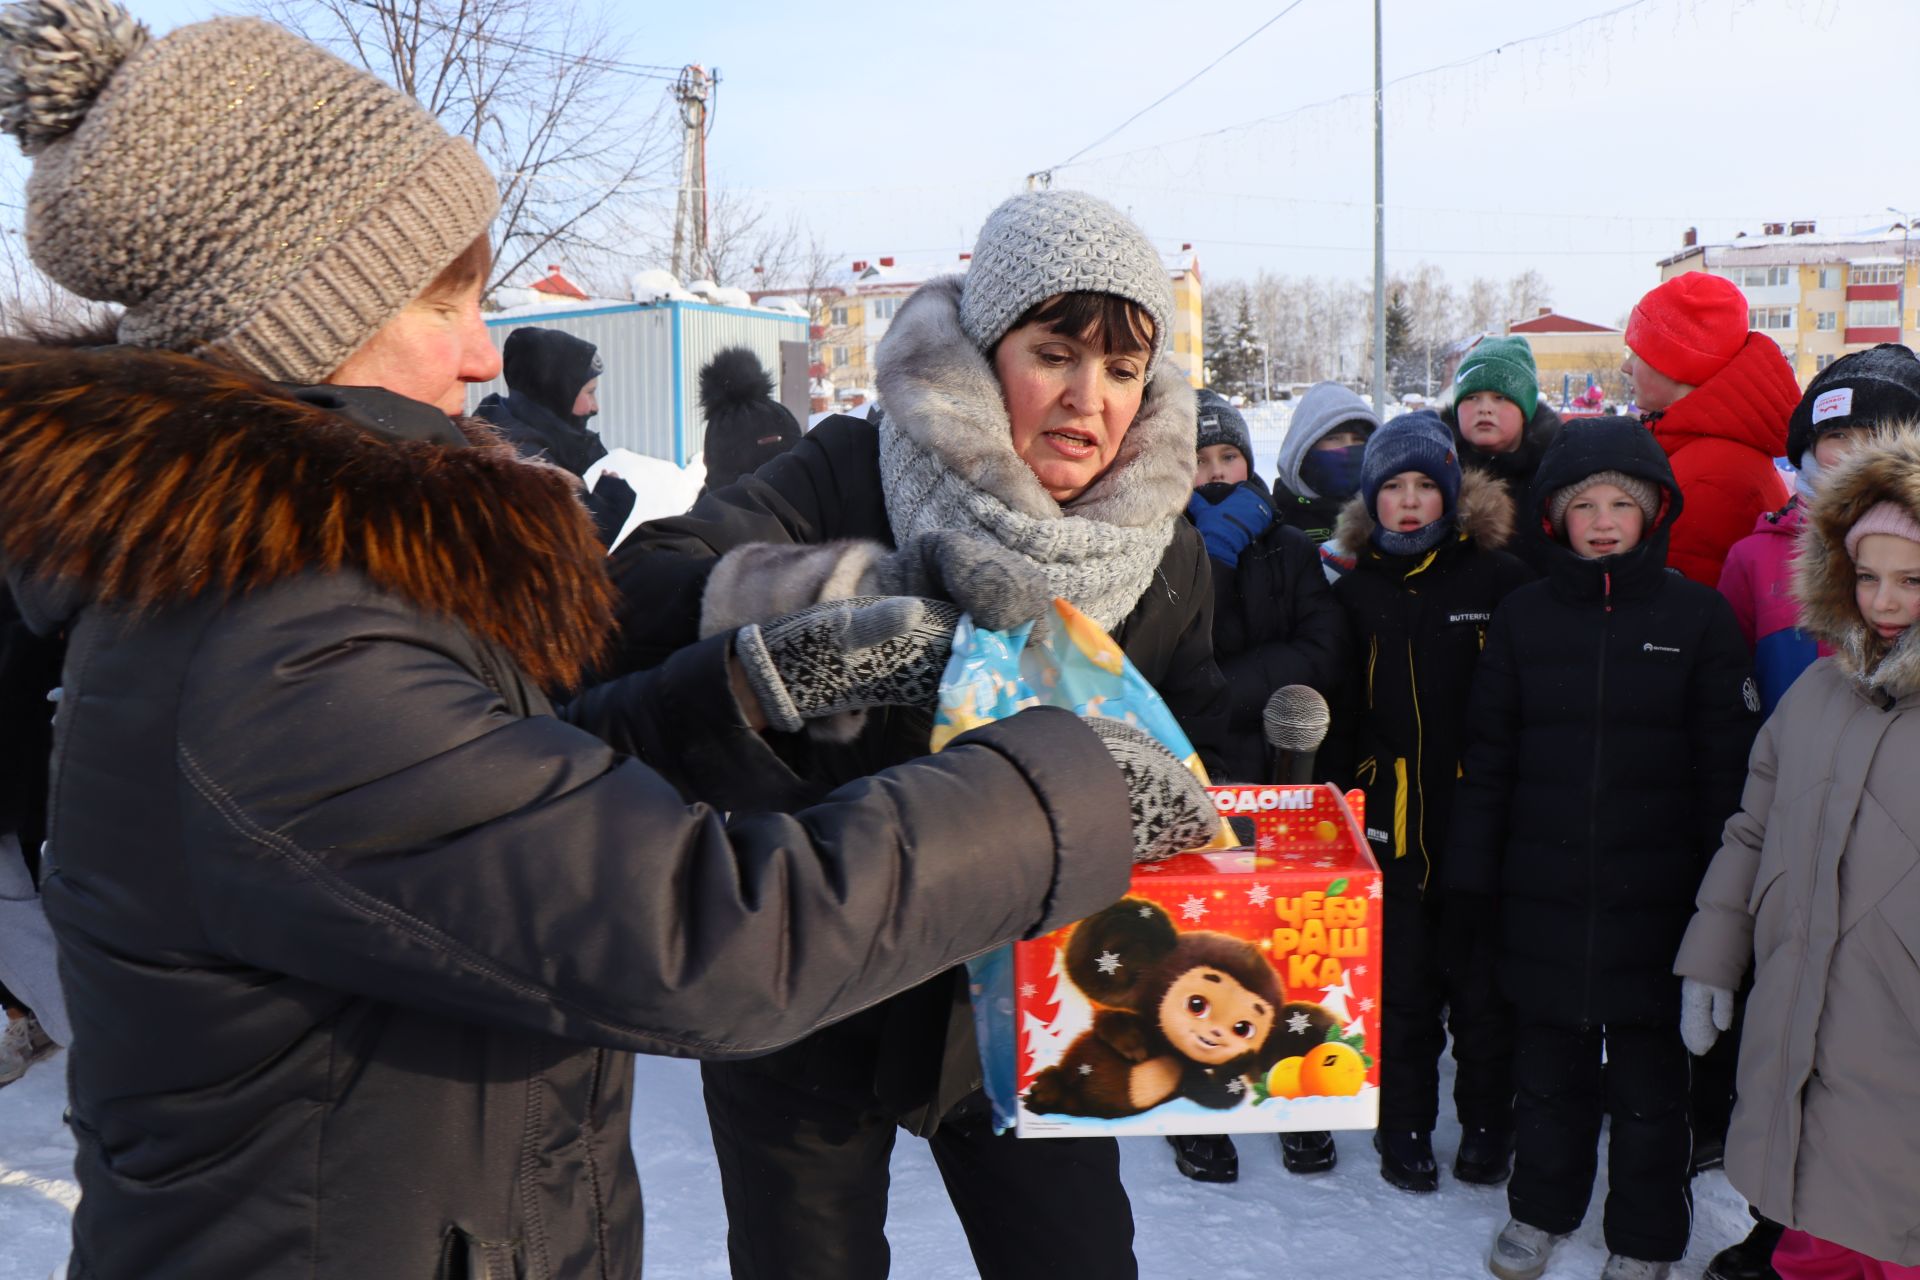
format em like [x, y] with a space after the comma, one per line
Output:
[693, 89]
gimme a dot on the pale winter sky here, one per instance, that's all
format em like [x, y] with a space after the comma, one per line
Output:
[893, 129]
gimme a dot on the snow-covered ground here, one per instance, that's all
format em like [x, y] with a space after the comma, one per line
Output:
[1347, 1223]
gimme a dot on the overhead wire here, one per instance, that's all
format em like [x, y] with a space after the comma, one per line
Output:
[1357, 94]
[1235, 48]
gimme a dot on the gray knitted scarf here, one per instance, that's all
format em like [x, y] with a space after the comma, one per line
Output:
[947, 462]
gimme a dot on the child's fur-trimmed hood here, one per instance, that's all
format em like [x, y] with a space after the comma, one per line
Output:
[1484, 511]
[138, 478]
[1884, 469]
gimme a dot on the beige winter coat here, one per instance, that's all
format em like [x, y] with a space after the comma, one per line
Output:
[1818, 883]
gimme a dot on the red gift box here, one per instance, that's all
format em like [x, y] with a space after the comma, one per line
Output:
[1235, 991]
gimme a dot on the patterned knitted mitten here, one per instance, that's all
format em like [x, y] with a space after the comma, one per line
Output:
[847, 655]
[1171, 809]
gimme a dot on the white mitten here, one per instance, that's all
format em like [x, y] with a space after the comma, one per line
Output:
[1705, 1011]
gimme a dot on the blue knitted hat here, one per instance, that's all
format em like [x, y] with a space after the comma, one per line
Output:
[1417, 441]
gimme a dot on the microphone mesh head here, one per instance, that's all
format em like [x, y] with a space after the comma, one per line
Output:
[1296, 719]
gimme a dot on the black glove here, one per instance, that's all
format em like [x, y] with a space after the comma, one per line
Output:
[1000, 588]
[847, 655]
[1171, 809]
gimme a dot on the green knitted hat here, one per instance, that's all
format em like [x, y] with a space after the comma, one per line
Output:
[1503, 366]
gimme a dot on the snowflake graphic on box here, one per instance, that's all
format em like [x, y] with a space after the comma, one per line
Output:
[1194, 908]
[1259, 896]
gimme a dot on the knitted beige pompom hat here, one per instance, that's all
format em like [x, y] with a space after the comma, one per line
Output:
[247, 196]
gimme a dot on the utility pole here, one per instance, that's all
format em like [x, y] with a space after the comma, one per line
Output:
[690, 212]
[1379, 228]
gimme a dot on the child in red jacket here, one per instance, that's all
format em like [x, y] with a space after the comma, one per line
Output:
[1718, 398]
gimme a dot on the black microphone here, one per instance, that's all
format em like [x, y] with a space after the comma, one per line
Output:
[1295, 724]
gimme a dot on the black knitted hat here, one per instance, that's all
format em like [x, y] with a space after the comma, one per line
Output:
[1870, 388]
[746, 426]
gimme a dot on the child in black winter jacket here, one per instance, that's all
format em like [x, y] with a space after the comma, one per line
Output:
[1275, 623]
[1612, 715]
[1429, 569]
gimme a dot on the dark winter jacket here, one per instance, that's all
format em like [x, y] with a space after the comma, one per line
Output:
[1515, 470]
[29, 670]
[1418, 625]
[544, 370]
[1611, 718]
[1722, 438]
[357, 935]
[917, 1051]
[1275, 623]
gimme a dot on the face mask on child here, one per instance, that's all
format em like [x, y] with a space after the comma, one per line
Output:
[1333, 473]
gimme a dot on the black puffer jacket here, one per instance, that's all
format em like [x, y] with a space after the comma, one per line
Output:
[356, 934]
[1275, 623]
[919, 1049]
[1515, 470]
[1418, 625]
[1612, 715]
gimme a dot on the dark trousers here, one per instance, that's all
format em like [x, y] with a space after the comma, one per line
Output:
[1564, 1094]
[804, 1172]
[1713, 1078]
[1423, 999]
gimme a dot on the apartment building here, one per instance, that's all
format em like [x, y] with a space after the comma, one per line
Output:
[1818, 295]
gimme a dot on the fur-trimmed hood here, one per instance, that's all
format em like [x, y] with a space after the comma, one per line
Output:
[1484, 512]
[1886, 469]
[138, 478]
[941, 392]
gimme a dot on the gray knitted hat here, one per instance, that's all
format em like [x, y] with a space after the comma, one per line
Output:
[1046, 242]
[1218, 422]
[244, 194]
[1645, 495]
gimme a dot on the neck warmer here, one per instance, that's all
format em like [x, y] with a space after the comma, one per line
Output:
[1807, 477]
[947, 462]
[1419, 542]
[1333, 473]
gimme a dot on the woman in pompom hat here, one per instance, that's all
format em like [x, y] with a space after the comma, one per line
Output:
[1813, 891]
[358, 934]
[1034, 429]
[1718, 397]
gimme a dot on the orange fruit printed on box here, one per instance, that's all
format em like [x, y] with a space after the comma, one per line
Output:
[1230, 991]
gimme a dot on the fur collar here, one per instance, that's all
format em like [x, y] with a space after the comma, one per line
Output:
[942, 394]
[1886, 469]
[1484, 512]
[138, 478]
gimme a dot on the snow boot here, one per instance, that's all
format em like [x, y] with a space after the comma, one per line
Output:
[1311, 1152]
[1486, 1156]
[1708, 1153]
[1205, 1157]
[1406, 1158]
[1521, 1251]
[22, 1044]
[1621, 1267]
[1751, 1259]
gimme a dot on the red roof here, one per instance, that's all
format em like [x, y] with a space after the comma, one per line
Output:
[559, 286]
[1554, 322]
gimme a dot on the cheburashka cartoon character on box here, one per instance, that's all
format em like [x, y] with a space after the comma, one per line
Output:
[1196, 1015]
